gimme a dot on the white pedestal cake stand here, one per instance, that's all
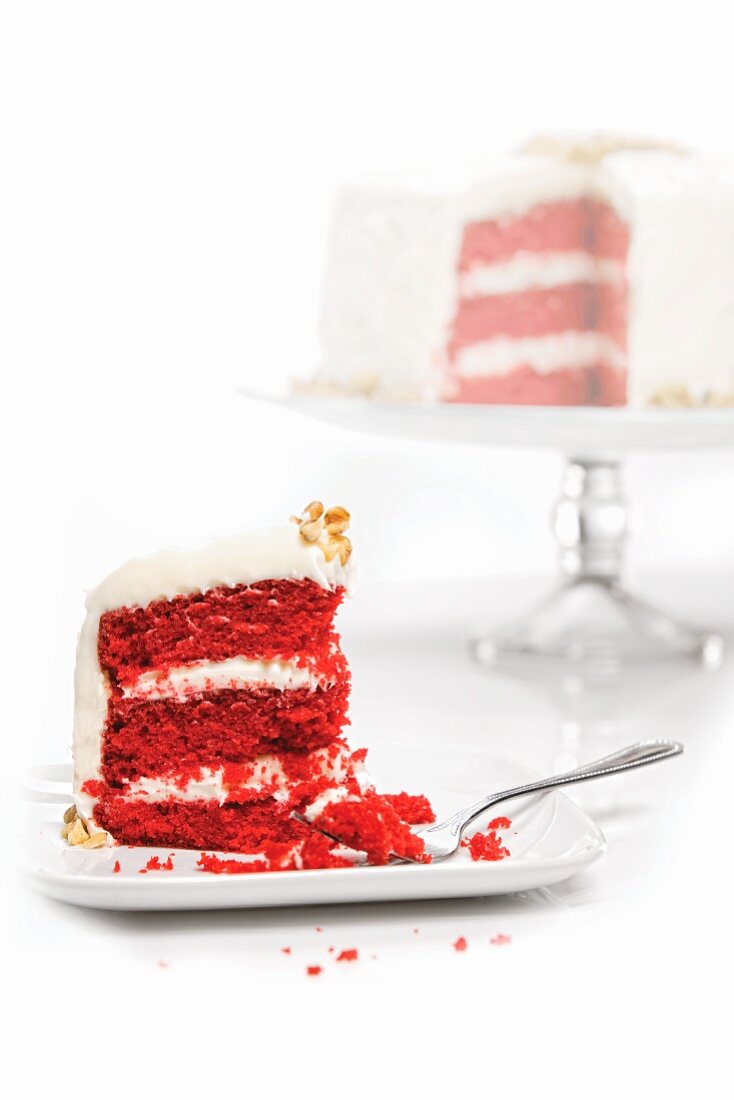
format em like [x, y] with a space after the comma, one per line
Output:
[591, 621]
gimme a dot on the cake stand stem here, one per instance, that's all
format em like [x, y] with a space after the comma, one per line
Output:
[592, 621]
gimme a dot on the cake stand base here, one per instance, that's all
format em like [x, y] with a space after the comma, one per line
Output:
[594, 626]
[592, 622]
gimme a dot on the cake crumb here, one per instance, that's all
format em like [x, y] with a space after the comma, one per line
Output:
[154, 864]
[286, 950]
[460, 944]
[350, 954]
[312, 971]
[116, 869]
[163, 965]
[500, 939]
[317, 929]
[216, 866]
[413, 809]
[488, 846]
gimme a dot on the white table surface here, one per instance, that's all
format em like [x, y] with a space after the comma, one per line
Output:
[617, 968]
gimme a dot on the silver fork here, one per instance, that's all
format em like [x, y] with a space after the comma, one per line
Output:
[443, 839]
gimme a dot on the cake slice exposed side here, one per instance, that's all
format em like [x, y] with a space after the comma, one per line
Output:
[212, 695]
[541, 294]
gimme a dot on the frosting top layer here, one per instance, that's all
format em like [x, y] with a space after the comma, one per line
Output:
[276, 554]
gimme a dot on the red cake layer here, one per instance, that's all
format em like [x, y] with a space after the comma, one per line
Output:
[610, 237]
[145, 737]
[542, 311]
[610, 386]
[598, 385]
[539, 311]
[574, 225]
[273, 619]
[230, 828]
[610, 312]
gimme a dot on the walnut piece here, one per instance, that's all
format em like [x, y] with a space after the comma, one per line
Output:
[326, 530]
[77, 832]
[676, 396]
[593, 147]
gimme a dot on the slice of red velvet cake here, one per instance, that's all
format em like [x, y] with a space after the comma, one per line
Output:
[211, 696]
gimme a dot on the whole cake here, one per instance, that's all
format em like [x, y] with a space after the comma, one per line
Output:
[593, 270]
[211, 697]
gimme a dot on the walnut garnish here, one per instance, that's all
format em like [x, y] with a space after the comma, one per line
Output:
[673, 397]
[336, 520]
[592, 148]
[76, 831]
[720, 400]
[676, 396]
[326, 530]
[96, 840]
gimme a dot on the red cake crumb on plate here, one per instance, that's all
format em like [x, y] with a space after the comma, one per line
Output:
[312, 971]
[350, 954]
[460, 944]
[154, 864]
[488, 846]
[216, 866]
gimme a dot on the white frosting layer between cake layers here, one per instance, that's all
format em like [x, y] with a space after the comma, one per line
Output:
[236, 672]
[267, 774]
[528, 270]
[278, 554]
[543, 353]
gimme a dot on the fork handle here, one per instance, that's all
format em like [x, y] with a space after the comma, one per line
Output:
[634, 756]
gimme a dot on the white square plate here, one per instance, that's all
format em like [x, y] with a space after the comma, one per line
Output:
[550, 840]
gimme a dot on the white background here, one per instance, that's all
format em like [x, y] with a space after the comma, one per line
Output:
[166, 180]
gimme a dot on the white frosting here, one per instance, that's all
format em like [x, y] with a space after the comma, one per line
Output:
[543, 353]
[514, 184]
[279, 554]
[391, 285]
[388, 290]
[236, 672]
[528, 270]
[680, 270]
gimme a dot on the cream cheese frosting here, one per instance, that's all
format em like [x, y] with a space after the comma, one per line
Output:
[236, 672]
[542, 353]
[528, 270]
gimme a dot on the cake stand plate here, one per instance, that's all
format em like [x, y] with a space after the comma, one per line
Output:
[592, 622]
[550, 840]
[574, 431]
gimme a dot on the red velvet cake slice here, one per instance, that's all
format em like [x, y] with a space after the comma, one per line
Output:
[211, 696]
